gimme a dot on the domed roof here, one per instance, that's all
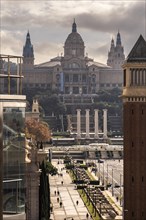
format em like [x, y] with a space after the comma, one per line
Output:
[74, 37]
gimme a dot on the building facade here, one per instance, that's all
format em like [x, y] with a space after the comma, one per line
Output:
[134, 98]
[74, 73]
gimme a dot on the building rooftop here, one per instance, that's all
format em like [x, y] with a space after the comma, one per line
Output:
[138, 52]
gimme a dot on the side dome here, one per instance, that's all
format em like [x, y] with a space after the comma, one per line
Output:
[74, 44]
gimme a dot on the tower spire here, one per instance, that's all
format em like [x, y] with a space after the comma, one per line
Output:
[28, 48]
[118, 42]
[112, 43]
[74, 27]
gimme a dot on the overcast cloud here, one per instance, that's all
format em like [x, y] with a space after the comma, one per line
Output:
[49, 23]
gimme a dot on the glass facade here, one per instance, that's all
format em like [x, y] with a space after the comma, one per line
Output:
[13, 159]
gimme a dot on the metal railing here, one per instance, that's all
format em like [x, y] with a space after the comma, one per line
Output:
[6, 72]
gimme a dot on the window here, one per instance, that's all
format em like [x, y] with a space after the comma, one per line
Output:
[57, 77]
[66, 90]
[66, 78]
[84, 78]
[75, 65]
[14, 157]
[75, 90]
[73, 52]
[75, 78]
[94, 78]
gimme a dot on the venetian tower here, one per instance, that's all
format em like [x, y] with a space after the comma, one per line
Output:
[134, 104]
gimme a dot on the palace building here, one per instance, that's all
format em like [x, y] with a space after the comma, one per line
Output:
[74, 73]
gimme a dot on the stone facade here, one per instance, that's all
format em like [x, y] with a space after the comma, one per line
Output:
[74, 73]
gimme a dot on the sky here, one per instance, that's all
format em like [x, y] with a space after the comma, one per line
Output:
[50, 22]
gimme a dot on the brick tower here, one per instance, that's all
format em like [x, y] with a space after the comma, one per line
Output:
[134, 104]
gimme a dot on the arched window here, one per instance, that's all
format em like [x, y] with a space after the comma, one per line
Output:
[75, 65]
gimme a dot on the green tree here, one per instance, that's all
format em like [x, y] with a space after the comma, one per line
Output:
[52, 105]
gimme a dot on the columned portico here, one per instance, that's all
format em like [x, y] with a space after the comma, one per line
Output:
[96, 129]
[87, 123]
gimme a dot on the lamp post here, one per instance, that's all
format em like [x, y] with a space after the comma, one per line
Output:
[107, 173]
[95, 203]
[103, 175]
[120, 188]
[112, 183]
[99, 171]
[107, 176]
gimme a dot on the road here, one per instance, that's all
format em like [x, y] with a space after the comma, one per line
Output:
[111, 171]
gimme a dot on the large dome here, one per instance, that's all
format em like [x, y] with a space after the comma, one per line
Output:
[74, 38]
[74, 44]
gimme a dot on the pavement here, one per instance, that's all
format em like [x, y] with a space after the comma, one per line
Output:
[68, 196]
[64, 197]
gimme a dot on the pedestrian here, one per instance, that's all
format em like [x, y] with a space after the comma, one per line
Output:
[51, 209]
[117, 198]
[91, 216]
[62, 182]
[55, 192]
[57, 199]
[60, 204]
[87, 215]
[77, 202]
[58, 192]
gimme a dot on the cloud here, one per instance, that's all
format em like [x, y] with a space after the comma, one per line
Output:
[50, 23]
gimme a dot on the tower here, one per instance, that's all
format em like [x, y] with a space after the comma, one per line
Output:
[116, 55]
[28, 54]
[134, 104]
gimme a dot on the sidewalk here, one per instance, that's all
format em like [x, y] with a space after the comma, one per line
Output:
[68, 196]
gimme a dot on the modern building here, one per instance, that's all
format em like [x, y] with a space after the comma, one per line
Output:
[134, 98]
[12, 144]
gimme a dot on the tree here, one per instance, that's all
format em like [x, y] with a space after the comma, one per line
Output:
[51, 169]
[44, 194]
[51, 104]
[38, 131]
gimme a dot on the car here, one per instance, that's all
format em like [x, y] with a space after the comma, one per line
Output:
[100, 161]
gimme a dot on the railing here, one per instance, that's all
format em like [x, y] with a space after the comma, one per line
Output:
[10, 74]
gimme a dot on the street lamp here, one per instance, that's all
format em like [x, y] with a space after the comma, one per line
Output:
[107, 172]
[112, 184]
[103, 174]
[120, 188]
[99, 171]
[100, 206]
